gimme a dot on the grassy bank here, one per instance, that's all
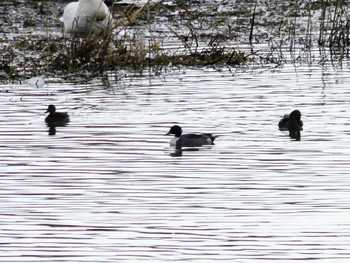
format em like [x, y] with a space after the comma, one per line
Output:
[185, 33]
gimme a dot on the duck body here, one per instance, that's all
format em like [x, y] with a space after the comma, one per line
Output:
[189, 140]
[291, 122]
[85, 16]
[56, 118]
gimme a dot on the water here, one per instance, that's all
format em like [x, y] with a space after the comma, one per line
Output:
[109, 188]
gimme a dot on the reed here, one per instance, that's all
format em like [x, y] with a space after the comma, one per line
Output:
[103, 51]
[189, 34]
[334, 24]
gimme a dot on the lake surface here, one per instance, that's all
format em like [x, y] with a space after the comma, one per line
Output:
[109, 188]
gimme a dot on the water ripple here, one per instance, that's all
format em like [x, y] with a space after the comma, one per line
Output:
[108, 187]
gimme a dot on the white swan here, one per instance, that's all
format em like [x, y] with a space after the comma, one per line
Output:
[86, 16]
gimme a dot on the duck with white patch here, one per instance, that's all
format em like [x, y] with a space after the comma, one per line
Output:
[85, 16]
[189, 140]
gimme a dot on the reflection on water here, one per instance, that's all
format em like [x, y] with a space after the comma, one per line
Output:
[106, 187]
[52, 130]
[295, 134]
[177, 151]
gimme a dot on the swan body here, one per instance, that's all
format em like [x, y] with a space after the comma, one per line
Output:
[85, 16]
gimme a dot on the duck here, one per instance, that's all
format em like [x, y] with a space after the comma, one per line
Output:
[85, 16]
[291, 122]
[56, 118]
[189, 140]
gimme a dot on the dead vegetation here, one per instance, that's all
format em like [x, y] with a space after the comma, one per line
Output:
[181, 34]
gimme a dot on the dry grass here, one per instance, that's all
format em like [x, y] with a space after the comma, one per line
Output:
[335, 24]
[198, 36]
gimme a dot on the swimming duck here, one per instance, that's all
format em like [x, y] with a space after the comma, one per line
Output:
[56, 118]
[189, 140]
[291, 122]
[85, 16]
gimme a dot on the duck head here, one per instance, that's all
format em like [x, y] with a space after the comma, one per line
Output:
[176, 130]
[295, 114]
[51, 109]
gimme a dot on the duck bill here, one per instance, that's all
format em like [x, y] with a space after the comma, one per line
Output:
[168, 133]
